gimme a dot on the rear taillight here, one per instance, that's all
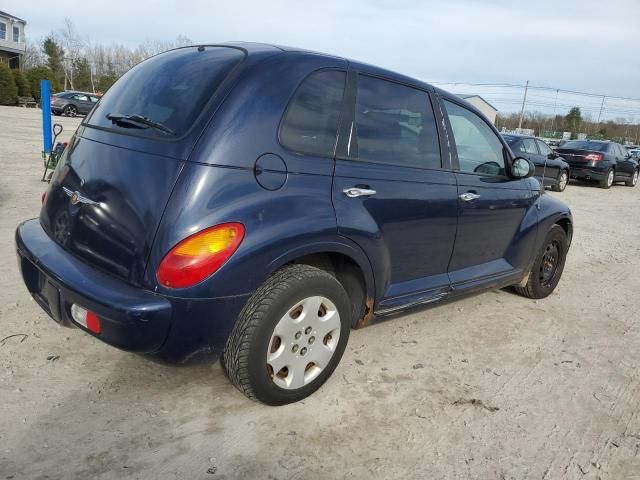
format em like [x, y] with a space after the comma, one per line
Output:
[200, 255]
[44, 196]
[593, 156]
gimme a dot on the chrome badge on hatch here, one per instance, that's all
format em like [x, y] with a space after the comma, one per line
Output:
[76, 198]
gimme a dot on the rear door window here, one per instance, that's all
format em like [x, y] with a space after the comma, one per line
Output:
[171, 88]
[395, 125]
[311, 120]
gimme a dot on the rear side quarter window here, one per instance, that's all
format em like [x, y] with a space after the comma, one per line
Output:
[312, 117]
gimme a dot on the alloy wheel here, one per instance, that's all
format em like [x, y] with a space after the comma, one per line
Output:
[610, 178]
[634, 180]
[71, 111]
[564, 179]
[303, 342]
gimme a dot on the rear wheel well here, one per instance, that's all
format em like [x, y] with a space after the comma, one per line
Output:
[348, 273]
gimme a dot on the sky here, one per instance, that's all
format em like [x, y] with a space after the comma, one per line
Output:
[579, 45]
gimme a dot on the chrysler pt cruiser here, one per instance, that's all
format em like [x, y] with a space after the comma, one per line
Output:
[255, 203]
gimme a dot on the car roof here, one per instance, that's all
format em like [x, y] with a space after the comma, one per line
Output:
[256, 48]
[253, 47]
[518, 135]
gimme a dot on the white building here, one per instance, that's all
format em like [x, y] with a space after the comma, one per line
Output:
[481, 104]
[12, 41]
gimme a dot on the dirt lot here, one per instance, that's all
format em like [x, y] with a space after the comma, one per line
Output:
[495, 386]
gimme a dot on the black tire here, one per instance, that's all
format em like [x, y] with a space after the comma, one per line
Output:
[606, 182]
[560, 184]
[70, 111]
[633, 180]
[244, 358]
[538, 286]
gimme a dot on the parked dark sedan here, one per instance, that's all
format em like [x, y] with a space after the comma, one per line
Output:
[551, 169]
[257, 203]
[73, 103]
[601, 160]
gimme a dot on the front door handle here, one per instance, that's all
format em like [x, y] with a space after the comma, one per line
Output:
[467, 197]
[355, 192]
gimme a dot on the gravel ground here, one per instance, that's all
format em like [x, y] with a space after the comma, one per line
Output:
[494, 386]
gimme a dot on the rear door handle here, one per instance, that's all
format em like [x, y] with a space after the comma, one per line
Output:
[355, 192]
[467, 197]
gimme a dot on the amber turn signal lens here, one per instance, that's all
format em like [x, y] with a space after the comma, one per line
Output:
[200, 255]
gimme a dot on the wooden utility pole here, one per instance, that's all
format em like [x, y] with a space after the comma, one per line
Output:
[524, 101]
[601, 107]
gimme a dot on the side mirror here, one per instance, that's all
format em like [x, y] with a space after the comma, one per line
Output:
[552, 155]
[522, 168]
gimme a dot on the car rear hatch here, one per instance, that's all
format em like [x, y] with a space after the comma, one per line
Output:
[108, 193]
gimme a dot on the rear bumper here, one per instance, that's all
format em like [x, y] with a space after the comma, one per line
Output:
[133, 319]
[582, 172]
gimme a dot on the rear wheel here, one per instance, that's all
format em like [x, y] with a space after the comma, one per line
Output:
[548, 266]
[634, 179]
[290, 336]
[561, 181]
[70, 111]
[607, 180]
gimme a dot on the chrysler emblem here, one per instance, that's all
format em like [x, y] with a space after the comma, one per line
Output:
[75, 197]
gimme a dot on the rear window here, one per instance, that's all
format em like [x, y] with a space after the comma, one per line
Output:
[586, 145]
[171, 88]
[311, 122]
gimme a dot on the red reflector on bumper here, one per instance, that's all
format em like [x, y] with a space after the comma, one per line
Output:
[93, 323]
[86, 318]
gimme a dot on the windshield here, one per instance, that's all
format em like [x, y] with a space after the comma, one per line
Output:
[171, 88]
[586, 145]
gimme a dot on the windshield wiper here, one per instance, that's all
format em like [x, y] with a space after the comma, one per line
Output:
[138, 121]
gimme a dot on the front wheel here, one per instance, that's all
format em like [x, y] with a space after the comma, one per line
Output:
[634, 179]
[548, 266]
[607, 180]
[562, 181]
[290, 336]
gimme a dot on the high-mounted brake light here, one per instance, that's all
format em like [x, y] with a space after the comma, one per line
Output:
[593, 156]
[200, 255]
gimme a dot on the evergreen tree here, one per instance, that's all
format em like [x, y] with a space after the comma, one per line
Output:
[40, 73]
[574, 119]
[8, 87]
[82, 74]
[24, 89]
[55, 57]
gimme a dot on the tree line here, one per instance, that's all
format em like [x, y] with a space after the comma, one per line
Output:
[574, 121]
[70, 62]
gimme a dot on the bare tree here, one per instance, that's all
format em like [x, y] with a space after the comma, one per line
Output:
[33, 56]
[72, 44]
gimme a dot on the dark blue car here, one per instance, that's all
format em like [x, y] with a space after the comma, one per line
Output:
[603, 161]
[256, 203]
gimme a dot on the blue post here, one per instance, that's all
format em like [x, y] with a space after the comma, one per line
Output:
[45, 103]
